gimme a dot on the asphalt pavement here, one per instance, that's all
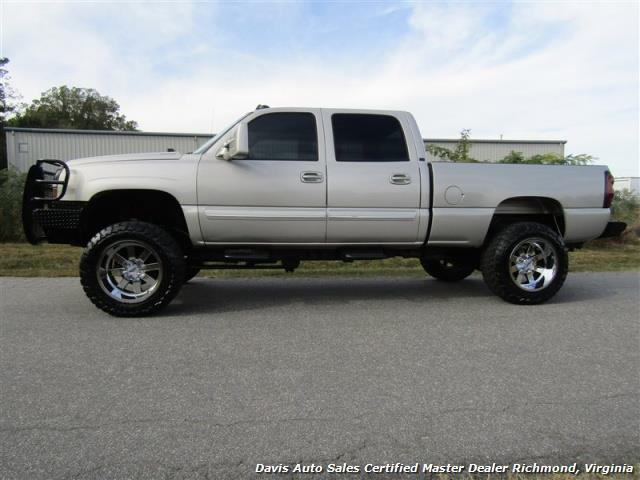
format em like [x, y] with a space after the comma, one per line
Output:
[316, 370]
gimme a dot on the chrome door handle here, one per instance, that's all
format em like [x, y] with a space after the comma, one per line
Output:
[400, 179]
[311, 177]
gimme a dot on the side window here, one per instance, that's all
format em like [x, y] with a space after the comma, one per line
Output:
[283, 136]
[368, 138]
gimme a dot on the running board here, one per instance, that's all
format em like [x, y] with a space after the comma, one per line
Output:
[227, 266]
[246, 255]
[351, 255]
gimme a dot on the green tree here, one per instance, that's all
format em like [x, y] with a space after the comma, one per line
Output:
[626, 207]
[548, 159]
[514, 157]
[459, 154]
[72, 107]
[580, 159]
[11, 186]
[8, 105]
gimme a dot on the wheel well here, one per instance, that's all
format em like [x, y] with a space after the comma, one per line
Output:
[544, 210]
[153, 206]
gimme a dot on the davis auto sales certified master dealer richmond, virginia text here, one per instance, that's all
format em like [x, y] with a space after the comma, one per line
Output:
[417, 468]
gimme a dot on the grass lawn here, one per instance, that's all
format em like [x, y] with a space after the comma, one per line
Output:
[24, 260]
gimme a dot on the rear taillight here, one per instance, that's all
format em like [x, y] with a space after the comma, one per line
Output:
[608, 189]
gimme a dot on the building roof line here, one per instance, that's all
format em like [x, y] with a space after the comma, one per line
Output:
[106, 132]
[489, 140]
[209, 135]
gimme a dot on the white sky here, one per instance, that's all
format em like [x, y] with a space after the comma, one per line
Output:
[538, 70]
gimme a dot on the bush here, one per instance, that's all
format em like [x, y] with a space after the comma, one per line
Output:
[548, 159]
[11, 186]
[626, 208]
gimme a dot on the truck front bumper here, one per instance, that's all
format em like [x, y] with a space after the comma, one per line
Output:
[44, 215]
[613, 229]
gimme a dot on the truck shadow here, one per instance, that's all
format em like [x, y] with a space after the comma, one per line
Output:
[203, 295]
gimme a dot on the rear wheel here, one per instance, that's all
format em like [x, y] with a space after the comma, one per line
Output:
[446, 269]
[132, 269]
[526, 263]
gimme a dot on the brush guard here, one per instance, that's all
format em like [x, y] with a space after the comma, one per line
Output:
[44, 216]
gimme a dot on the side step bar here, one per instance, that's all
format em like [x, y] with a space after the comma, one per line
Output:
[351, 255]
[246, 255]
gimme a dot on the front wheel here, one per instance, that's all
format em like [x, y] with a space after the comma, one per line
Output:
[132, 269]
[447, 270]
[526, 263]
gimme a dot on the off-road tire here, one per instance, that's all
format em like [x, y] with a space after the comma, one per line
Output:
[164, 244]
[447, 270]
[190, 272]
[495, 263]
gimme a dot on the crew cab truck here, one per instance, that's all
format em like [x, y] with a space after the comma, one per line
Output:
[285, 185]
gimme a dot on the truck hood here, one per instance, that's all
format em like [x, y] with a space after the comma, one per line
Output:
[127, 157]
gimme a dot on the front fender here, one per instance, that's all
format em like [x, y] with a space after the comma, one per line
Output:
[175, 177]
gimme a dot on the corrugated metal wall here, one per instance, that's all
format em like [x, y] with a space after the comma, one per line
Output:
[493, 151]
[25, 147]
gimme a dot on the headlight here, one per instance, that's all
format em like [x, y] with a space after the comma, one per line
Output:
[56, 190]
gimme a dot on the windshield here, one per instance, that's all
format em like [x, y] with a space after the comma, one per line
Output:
[224, 131]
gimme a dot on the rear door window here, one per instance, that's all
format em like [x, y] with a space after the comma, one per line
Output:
[368, 138]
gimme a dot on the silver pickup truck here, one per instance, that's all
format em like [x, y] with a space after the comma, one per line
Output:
[285, 185]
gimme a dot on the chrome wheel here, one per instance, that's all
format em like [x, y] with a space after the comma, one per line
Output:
[533, 264]
[129, 271]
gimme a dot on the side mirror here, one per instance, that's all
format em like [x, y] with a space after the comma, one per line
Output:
[237, 147]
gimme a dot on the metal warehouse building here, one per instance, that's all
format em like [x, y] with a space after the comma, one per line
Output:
[628, 183]
[26, 145]
[496, 150]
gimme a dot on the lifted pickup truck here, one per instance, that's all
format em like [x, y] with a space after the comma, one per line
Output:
[285, 185]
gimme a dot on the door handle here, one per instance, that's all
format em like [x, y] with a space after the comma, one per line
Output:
[311, 177]
[400, 179]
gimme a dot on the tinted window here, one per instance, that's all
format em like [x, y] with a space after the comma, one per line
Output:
[368, 138]
[283, 136]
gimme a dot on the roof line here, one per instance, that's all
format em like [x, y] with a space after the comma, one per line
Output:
[489, 140]
[106, 132]
[209, 135]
